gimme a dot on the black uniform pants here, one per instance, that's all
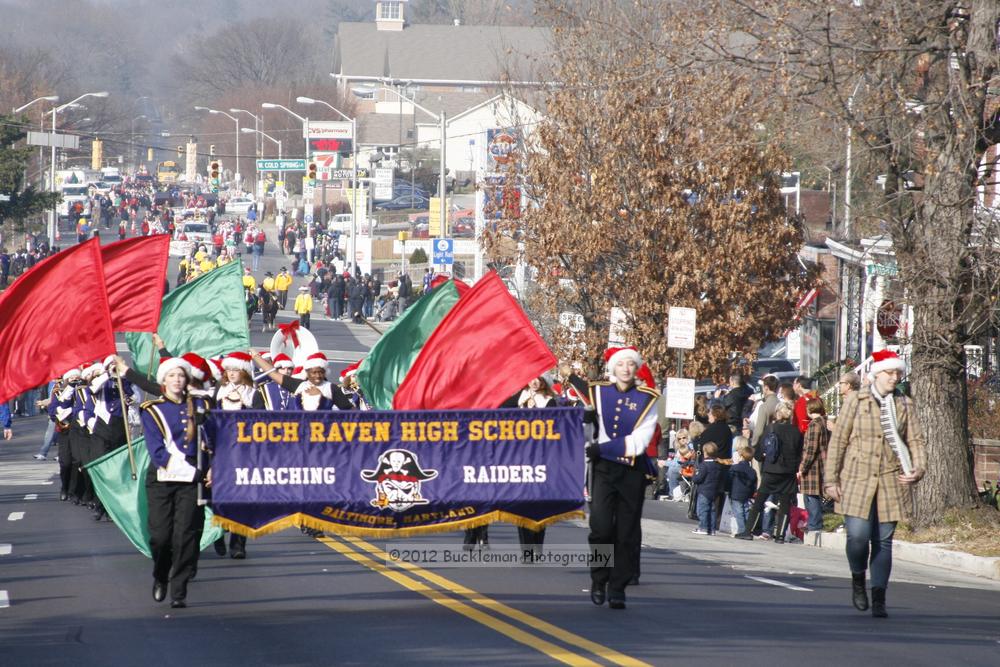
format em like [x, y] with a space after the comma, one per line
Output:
[175, 525]
[615, 514]
[777, 485]
[79, 450]
[65, 461]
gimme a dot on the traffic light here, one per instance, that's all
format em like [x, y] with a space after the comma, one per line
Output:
[211, 149]
[180, 151]
[149, 155]
[214, 170]
[311, 175]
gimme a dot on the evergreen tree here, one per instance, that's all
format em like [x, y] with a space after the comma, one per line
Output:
[25, 201]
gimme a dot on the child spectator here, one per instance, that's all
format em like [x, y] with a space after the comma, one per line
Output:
[707, 481]
[742, 482]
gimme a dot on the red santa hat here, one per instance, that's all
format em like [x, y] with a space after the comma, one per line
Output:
[215, 366]
[350, 370]
[199, 367]
[646, 376]
[884, 360]
[266, 354]
[615, 354]
[315, 360]
[238, 361]
[283, 361]
[168, 364]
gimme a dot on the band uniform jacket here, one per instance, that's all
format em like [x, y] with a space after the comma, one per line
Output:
[864, 464]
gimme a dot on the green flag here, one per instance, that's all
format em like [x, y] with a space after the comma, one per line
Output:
[207, 316]
[388, 362]
[124, 498]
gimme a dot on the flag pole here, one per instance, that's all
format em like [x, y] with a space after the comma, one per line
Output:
[374, 328]
[152, 357]
[128, 431]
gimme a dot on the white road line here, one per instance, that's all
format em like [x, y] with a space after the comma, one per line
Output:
[5, 549]
[31, 496]
[4, 600]
[15, 516]
[775, 582]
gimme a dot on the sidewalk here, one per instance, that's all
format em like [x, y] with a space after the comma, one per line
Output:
[912, 563]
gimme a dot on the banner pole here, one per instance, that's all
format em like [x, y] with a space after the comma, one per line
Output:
[128, 431]
[373, 327]
[152, 357]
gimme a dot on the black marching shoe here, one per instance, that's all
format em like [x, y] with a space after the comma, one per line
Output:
[178, 604]
[859, 595]
[878, 603]
[598, 593]
[159, 591]
[237, 553]
[634, 581]
[220, 546]
[616, 602]
[745, 535]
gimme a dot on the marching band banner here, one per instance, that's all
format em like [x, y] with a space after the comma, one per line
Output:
[394, 474]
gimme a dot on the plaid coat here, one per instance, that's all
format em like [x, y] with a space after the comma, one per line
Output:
[813, 455]
[861, 461]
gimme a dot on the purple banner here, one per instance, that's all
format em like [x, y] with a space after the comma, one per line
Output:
[392, 474]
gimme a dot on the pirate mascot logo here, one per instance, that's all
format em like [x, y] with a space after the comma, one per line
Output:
[397, 480]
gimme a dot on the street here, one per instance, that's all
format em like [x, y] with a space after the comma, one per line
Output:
[76, 591]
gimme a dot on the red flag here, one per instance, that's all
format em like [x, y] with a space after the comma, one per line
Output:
[134, 271]
[483, 351]
[52, 318]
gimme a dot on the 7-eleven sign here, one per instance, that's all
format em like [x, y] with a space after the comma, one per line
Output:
[325, 164]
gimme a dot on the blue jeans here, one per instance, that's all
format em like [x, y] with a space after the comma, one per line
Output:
[740, 510]
[814, 505]
[673, 477]
[50, 437]
[869, 543]
[706, 514]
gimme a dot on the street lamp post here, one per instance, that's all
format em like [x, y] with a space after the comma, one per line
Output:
[41, 128]
[352, 243]
[47, 98]
[52, 169]
[442, 189]
[264, 135]
[305, 134]
[131, 141]
[257, 150]
[236, 173]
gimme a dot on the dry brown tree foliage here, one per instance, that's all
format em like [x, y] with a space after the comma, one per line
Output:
[651, 185]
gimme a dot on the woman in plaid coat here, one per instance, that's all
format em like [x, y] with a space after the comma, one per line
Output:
[864, 474]
[814, 448]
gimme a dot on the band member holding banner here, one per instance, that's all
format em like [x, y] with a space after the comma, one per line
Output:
[538, 394]
[623, 416]
[876, 454]
[80, 434]
[171, 425]
[271, 395]
[313, 393]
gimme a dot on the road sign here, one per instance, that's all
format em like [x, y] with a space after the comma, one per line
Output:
[888, 319]
[572, 321]
[288, 164]
[681, 328]
[383, 184]
[444, 251]
[434, 225]
[57, 140]
[308, 218]
[680, 398]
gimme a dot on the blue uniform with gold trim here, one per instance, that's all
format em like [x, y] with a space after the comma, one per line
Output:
[624, 423]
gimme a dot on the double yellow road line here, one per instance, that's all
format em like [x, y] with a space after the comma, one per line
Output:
[483, 610]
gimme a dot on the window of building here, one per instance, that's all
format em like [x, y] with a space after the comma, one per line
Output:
[390, 10]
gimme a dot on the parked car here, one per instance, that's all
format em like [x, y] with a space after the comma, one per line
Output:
[400, 189]
[340, 223]
[196, 232]
[238, 204]
[403, 203]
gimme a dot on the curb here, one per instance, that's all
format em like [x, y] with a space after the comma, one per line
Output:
[931, 555]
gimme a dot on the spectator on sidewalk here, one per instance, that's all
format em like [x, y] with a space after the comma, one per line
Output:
[708, 481]
[880, 435]
[742, 483]
[803, 392]
[817, 439]
[5, 422]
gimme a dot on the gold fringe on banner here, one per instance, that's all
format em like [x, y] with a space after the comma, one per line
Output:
[299, 519]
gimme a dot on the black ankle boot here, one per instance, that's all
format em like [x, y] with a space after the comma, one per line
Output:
[878, 603]
[860, 595]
